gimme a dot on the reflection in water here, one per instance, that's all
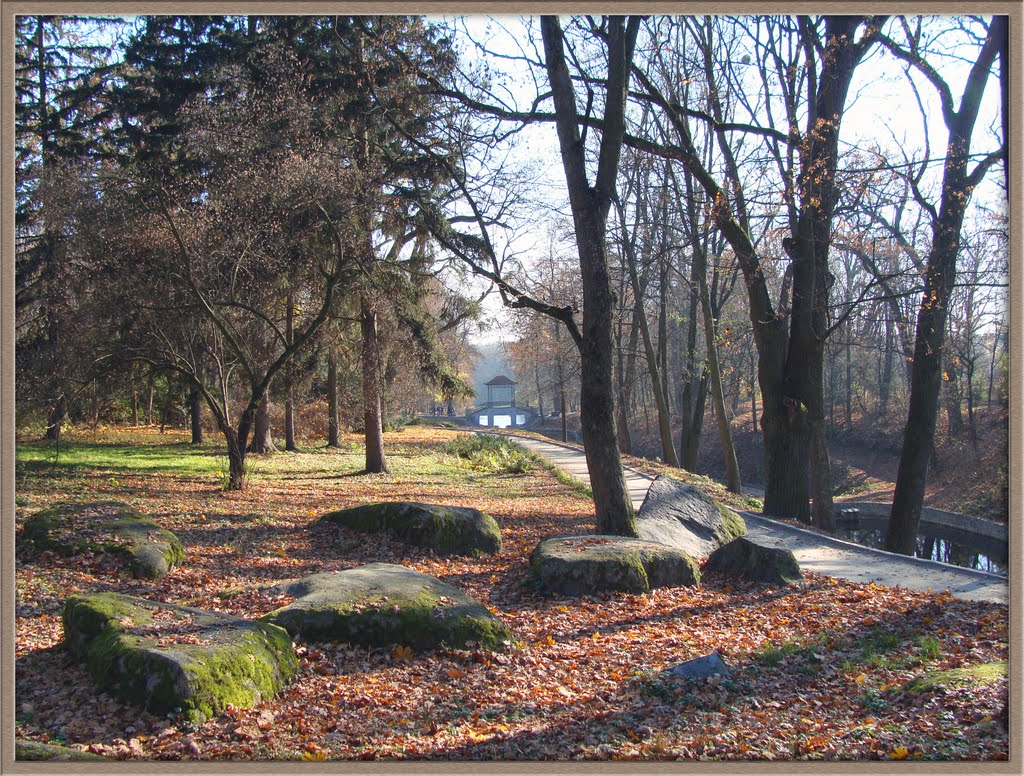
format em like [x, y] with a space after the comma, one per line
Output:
[930, 547]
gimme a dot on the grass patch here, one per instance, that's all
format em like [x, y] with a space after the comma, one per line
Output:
[805, 655]
[576, 485]
[491, 454]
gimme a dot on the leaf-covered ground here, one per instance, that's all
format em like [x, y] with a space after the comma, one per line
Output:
[817, 666]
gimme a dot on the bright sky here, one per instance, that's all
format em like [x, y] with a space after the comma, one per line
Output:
[882, 109]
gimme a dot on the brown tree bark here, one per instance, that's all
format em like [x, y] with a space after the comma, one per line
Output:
[262, 439]
[373, 427]
[732, 467]
[333, 438]
[590, 206]
[289, 402]
[668, 449]
[939, 280]
[195, 408]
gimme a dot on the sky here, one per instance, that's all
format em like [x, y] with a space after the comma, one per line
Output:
[881, 108]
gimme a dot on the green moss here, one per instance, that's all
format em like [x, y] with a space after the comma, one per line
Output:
[118, 529]
[423, 622]
[200, 664]
[405, 608]
[448, 530]
[733, 525]
[34, 751]
[582, 565]
[981, 674]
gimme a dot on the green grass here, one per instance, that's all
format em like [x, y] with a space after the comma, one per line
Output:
[776, 653]
[75, 457]
[578, 486]
[491, 454]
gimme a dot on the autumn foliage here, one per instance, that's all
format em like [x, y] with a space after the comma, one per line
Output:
[817, 667]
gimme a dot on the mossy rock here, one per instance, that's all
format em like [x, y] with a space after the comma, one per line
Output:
[583, 565]
[106, 526]
[447, 530]
[763, 560]
[167, 657]
[687, 518]
[384, 604]
[35, 751]
[981, 674]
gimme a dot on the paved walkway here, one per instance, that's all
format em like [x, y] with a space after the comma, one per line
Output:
[815, 552]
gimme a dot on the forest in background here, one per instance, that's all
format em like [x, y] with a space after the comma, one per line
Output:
[237, 214]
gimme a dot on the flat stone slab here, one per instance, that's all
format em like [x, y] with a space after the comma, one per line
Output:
[685, 517]
[34, 751]
[587, 564]
[447, 530]
[167, 657]
[757, 560]
[106, 526]
[384, 604]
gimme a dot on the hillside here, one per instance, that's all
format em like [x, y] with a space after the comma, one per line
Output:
[865, 461]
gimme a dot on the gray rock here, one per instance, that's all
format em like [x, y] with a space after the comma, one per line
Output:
[582, 565]
[166, 657]
[384, 604]
[36, 751]
[447, 530]
[685, 517]
[106, 526]
[757, 560]
[700, 668]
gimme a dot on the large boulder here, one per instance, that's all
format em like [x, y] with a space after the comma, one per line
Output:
[167, 657]
[761, 560]
[685, 517]
[583, 565]
[106, 526]
[447, 530]
[383, 604]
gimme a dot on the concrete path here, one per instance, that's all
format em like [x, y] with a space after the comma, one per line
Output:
[821, 554]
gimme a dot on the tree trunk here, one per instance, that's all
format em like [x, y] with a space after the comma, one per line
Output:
[289, 402]
[668, 449]
[954, 411]
[992, 362]
[565, 410]
[753, 392]
[732, 467]
[692, 407]
[625, 401]
[195, 415]
[332, 399]
[885, 382]
[540, 392]
[822, 509]
[590, 206]
[55, 423]
[135, 398]
[149, 397]
[262, 440]
[939, 279]
[373, 427]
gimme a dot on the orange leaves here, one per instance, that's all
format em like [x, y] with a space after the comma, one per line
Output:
[587, 677]
[401, 653]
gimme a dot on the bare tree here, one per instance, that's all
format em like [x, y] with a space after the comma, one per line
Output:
[959, 179]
